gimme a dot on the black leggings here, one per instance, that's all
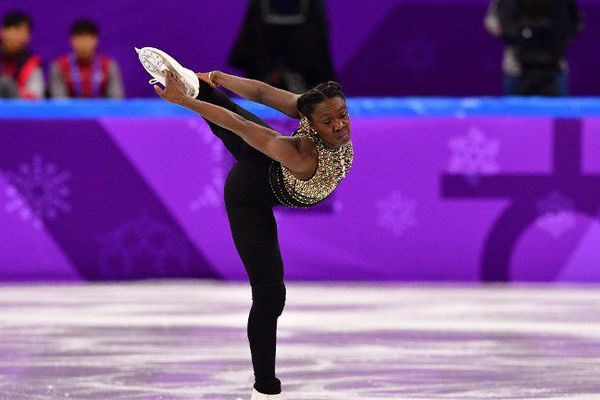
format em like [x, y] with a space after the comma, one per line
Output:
[249, 203]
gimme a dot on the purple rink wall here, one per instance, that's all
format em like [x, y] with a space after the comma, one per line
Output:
[440, 190]
[379, 48]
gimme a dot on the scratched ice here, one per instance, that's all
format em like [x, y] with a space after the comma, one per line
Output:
[187, 340]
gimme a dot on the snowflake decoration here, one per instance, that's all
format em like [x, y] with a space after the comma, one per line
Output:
[555, 214]
[396, 213]
[210, 195]
[38, 191]
[142, 245]
[474, 155]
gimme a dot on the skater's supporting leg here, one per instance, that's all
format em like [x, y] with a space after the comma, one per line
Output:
[254, 231]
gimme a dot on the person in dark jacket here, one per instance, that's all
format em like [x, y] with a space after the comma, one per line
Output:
[537, 34]
[285, 43]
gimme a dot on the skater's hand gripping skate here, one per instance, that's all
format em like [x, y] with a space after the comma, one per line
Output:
[174, 91]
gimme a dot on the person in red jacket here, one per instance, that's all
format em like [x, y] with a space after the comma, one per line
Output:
[21, 73]
[84, 72]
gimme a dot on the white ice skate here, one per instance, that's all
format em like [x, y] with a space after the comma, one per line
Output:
[256, 395]
[157, 62]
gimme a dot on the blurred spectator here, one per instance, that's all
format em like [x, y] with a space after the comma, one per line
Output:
[83, 72]
[537, 34]
[21, 73]
[285, 43]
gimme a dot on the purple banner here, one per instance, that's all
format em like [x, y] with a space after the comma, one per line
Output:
[447, 199]
[385, 47]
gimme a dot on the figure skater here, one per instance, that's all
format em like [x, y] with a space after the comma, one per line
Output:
[272, 169]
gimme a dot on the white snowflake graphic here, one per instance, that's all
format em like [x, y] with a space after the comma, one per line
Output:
[211, 193]
[144, 246]
[474, 155]
[38, 191]
[556, 214]
[396, 213]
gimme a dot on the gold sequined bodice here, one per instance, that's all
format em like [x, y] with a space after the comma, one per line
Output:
[332, 166]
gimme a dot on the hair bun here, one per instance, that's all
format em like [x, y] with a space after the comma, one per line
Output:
[307, 101]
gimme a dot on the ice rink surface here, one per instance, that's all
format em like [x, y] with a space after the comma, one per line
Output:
[187, 340]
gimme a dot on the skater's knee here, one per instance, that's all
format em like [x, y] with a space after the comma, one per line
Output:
[269, 297]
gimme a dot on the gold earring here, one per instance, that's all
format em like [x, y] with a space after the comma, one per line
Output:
[305, 124]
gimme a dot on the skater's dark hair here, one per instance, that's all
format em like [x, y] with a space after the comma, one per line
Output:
[16, 18]
[85, 27]
[308, 100]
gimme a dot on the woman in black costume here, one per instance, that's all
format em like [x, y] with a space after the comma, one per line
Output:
[297, 171]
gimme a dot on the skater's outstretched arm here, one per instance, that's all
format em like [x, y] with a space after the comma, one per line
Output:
[293, 152]
[256, 91]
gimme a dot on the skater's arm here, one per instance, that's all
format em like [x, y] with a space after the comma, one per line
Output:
[285, 149]
[290, 151]
[256, 91]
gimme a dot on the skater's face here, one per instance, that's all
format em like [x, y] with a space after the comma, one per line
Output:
[331, 121]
